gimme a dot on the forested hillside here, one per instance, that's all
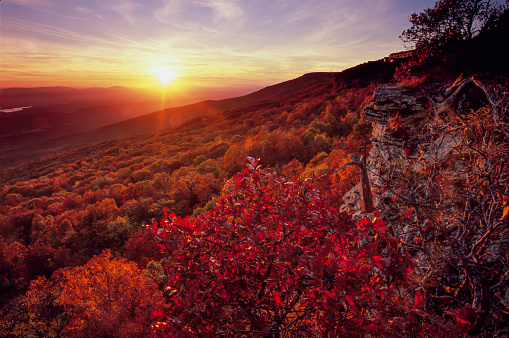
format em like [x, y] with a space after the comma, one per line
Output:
[59, 212]
[60, 122]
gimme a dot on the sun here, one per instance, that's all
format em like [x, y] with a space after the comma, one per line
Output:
[165, 74]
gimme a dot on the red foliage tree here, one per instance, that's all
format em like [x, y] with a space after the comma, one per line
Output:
[141, 247]
[13, 268]
[271, 259]
[438, 32]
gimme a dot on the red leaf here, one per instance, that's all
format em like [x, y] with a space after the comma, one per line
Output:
[418, 300]
[330, 294]
[378, 261]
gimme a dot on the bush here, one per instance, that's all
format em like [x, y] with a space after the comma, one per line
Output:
[270, 258]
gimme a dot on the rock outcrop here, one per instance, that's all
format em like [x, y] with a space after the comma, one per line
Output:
[413, 132]
[438, 170]
[391, 99]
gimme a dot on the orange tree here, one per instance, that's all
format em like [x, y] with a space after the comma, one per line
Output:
[39, 313]
[110, 297]
[271, 259]
[107, 297]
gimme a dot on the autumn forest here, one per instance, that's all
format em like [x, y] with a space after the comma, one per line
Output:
[234, 224]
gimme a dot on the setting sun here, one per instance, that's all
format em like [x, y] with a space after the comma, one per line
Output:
[165, 74]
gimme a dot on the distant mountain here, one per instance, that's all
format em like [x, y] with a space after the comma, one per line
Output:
[174, 116]
[18, 145]
[67, 99]
[31, 116]
[53, 122]
[49, 112]
[63, 99]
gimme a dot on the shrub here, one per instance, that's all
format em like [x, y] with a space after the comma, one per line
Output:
[271, 259]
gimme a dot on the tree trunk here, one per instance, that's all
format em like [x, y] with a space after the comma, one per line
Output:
[367, 196]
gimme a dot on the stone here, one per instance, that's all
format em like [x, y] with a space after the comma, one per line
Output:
[391, 99]
[426, 143]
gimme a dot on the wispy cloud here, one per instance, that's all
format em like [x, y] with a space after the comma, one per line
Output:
[88, 11]
[50, 33]
[125, 8]
[172, 12]
[223, 9]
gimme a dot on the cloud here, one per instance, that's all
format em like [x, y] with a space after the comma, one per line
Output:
[46, 32]
[170, 9]
[196, 15]
[84, 10]
[126, 9]
[223, 9]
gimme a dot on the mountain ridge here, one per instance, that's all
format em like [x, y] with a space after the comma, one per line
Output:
[158, 120]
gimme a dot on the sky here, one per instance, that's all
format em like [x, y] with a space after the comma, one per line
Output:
[219, 43]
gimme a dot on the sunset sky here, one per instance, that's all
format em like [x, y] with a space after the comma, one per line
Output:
[204, 42]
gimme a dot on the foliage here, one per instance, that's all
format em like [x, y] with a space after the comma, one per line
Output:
[142, 247]
[86, 190]
[271, 259]
[39, 313]
[107, 297]
[63, 210]
[451, 215]
[13, 269]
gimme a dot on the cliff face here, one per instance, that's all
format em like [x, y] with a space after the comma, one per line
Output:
[391, 99]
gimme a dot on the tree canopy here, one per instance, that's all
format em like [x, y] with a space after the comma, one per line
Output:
[449, 22]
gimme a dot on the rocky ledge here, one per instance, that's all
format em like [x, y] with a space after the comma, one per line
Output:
[414, 131]
[391, 99]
